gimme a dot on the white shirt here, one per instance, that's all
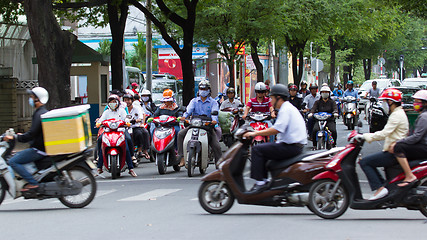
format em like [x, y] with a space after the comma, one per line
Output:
[291, 125]
[136, 114]
[310, 99]
[109, 114]
[228, 104]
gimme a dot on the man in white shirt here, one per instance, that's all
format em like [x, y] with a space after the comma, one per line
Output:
[291, 137]
[230, 102]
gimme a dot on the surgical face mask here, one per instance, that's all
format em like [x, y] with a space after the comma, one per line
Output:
[145, 99]
[113, 105]
[31, 102]
[204, 93]
[325, 95]
[385, 106]
[418, 106]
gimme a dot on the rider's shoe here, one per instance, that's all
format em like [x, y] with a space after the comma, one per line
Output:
[381, 194]
[100, 170]
[132, 173]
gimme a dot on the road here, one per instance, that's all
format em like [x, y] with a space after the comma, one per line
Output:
[166, 207]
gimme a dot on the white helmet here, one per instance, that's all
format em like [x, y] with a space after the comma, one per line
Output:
[40, 93]
[128, 91]
[260, 86]
[325, 89]
[204, 84]
[145, 92]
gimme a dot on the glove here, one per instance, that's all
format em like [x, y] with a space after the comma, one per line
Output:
[336, 115]
[359, 137]
[310, 115]
[98, 125]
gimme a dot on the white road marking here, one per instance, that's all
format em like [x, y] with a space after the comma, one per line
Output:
[147, 179]
[194, 199]
[100, 193]
[18, 200]
[151, 195]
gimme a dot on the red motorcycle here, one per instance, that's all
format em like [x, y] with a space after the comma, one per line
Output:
[163, 144]
[258, 123]
[338, 188]
[114, 146]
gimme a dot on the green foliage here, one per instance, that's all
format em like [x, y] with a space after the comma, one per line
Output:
[104, 47]
[9, 11]
[138, 57]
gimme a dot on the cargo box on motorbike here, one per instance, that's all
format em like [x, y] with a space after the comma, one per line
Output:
[67, 130]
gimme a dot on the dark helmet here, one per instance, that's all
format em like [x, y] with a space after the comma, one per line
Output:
[127, 96]
[279, 90]
[231, 90]
[313, 86]
[293, 87]
[374, 83]
[303, 83]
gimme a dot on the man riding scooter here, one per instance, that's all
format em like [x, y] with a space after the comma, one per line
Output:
[204, 104]
[231, 102]
[114, 112]
[294, 99]
[290, 130]
[309, 102]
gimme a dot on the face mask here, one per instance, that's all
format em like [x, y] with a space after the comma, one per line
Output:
[145, 99]
[385, 106]
[325, 95]
[418, 106]
[113, 105]
[31, 102]
[204, 93]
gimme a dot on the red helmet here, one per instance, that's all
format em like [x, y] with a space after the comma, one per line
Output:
[293, 87]
[391, 94]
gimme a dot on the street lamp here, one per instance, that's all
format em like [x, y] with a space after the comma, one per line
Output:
[401, 67]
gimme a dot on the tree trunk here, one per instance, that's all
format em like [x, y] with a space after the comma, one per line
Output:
[230, 65]
[332, 48]
[188, 76]
[301, 67]
[54, 50]
[117, 19]
[367, 65]
[257, 62]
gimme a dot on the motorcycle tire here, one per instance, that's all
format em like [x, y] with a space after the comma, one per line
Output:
[423, 207]
[115, 171]
[191, 162]
[319, 203]
[88, 191]
[3, 189]
[215, 204]
[161, 163]
[320, 144]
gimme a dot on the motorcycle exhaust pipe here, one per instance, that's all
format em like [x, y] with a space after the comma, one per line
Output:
[299, 198]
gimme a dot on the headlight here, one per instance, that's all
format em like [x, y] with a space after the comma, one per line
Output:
[114, 125]
[120, 140]
[196, 122]
[160, 134]
[105, 140]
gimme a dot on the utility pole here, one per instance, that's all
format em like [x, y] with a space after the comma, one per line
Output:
[401, 67]
[148, 45]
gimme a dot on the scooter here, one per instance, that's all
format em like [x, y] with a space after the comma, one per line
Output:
[338, 188]
[323, 136]
[258, 124]
[197, 151]
[229, 121]
[163, 144]
[289, 184]
[67, 177]
[350, 112]
[114, 147]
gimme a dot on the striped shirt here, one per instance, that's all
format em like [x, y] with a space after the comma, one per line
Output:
[263, 106]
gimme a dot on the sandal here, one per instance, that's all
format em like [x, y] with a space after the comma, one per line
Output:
[132, 173]
[407, 183]
[29, 187]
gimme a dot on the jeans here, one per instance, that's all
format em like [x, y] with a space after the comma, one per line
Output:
[212, 140]
[101, 155]
[18, 161]
[369, 165]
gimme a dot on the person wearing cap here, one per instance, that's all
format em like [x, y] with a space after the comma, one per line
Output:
[38, 98]
[396, 128]
[231, 102]
[294, 99]
[325, 104]
[134, 87]
[350, 91]
[291, 138]
[414, 146]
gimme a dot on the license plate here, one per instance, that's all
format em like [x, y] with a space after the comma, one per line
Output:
[90, 163]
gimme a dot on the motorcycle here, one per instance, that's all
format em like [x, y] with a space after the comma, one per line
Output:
[114, 147]
[350, 112]
[338, 188]
[258, 124]
[229, 121]
[323, 136]
[68, 177]
[163, 144]
[289, 184]
[197, 151]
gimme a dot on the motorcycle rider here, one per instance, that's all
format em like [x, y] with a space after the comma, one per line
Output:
[38, 98]
[325, 104]
[338, 91]
[114, 112]
[350, 91]
[414, 146]
[140, 135]
[294, 99]
[303, 91]
[231, 102]
[134, 88]
[290, 130]
[147, 103]
[204, 104]
[309, 101]
[397, 128]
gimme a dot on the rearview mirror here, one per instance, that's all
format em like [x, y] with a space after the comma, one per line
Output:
[215, 113]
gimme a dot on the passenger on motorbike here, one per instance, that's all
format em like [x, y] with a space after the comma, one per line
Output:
[147, 103]
[338, 91]
[140, 135]
[413, 147]
[115, 112]
[170, 108]
[290, 130]
[397, 128]
[309, 102]
[204, 104]
[294, 99]
[325, 104]
[38, 98]
[231, 102]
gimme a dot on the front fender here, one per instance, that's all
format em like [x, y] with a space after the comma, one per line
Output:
[213, 176]
[326, 175]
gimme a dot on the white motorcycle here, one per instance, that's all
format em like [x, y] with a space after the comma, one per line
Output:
[350, 112]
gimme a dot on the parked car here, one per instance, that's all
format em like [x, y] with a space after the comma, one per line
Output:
[415, 82]
[160, 82]
[381, 84]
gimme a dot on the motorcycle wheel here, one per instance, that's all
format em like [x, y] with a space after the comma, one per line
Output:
[115, 171]
[320, 144]
[191, 162]
[152, 156]
[215, 204]
[88, 191]
[323, 207]
[161, 163]
[3, 189]
[423, 207]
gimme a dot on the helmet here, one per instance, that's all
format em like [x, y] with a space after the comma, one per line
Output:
[128, 96]
[231, 90]
[117, 92]
[293, 87]
[40, 93]
[260, 86]
[145, 92]
[324, 84]
[204, 84]
[391, 94]
[303, 83]
[313, 86]
[167, 95]
[128, 91]
[374, 83]
[113, 97]
[421, 94]
[350, 82]
[339, 85]
[279, 90]
[134, 84]
[325, 89]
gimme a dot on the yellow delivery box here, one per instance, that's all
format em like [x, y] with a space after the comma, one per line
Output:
[67, 130]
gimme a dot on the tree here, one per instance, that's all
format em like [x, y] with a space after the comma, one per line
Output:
[104, 47]
[138, 59]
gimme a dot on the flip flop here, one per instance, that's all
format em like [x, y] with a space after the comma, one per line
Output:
[30, 188]
[407, 183]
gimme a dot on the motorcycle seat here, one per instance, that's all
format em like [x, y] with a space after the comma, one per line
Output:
[274, 165]
[396, 169]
